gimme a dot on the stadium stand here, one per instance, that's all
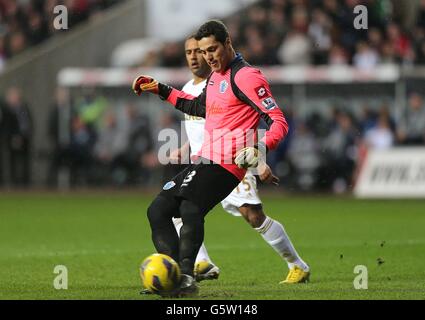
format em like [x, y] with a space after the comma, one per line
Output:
[26, 23]
[273, 32]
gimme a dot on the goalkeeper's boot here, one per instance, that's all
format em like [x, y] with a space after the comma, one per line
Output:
[205, 270]
[296, 275]
[188, 287]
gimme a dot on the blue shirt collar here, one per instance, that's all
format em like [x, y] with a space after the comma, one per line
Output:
[237, 58]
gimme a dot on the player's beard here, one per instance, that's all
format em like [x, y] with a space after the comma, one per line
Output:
[203, 71]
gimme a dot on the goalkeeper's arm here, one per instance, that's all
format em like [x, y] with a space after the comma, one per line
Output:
[194, 106]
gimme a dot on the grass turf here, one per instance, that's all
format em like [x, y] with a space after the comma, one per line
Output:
[102, 239]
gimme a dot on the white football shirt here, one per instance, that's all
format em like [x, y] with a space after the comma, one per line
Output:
[194, 125]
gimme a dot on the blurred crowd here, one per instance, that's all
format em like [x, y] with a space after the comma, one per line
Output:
[325, 151]
[269, 32]
[16, 129]
[25, 23]
[98, 143]
[317, 32]
[117, 144]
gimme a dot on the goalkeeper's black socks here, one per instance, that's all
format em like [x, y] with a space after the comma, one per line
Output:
[164, 234]
[191, 235]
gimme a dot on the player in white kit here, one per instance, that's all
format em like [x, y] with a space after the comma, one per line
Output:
[244, 200]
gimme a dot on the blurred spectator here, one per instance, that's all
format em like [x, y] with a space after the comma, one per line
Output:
[37, 28]
[349, 36]
[80, 152]
[421, 54]
[420, 21]
[171, 55]
[380, 136]
[388, 53]
[19, 134]
[140, 146]
[375, 39]
[58, 127]
[338, 56]
[274, 157]
[277, 24]
[339, 154]
[111, 144]
[2, 52]
[318, 125]
[78, 11]
[365, 57]
[412, 129]
[304, 157]
[47, 12]
[295, 49]
[112, 139]
[400, 42]
[90, 106]
[3, 122]
[419, 32]
[17, 42]
[331, 7]
[258, 54]
[367, 119]
[234, 29]
[299, 19]
[384, 111]
[257, 18]
[320, 33]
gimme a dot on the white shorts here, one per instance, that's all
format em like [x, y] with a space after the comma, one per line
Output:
[245, 193]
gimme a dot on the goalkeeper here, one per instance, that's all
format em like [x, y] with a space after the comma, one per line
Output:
[236, 95]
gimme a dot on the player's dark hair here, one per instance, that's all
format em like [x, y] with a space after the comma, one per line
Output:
[214, 28]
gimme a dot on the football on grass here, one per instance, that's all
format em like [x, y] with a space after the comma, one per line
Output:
[160, 274]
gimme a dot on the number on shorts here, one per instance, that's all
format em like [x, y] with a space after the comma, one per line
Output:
[247, 185]
[188, 178]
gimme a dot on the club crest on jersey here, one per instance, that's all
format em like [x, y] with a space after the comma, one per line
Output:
[169, 185]
[261, 92]
[223, 86]
[268, 103]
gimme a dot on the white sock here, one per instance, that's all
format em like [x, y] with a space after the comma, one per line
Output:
[202, 253]
[274, 234]
[178, 224]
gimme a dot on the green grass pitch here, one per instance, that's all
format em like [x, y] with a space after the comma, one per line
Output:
[102, 238]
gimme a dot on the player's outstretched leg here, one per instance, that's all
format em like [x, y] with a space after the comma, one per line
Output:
[275, 235]
[164, 235]
[205, 269]
[191, 238]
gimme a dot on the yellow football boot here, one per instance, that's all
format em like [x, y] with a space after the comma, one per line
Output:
[296, 275]
[205, 270]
